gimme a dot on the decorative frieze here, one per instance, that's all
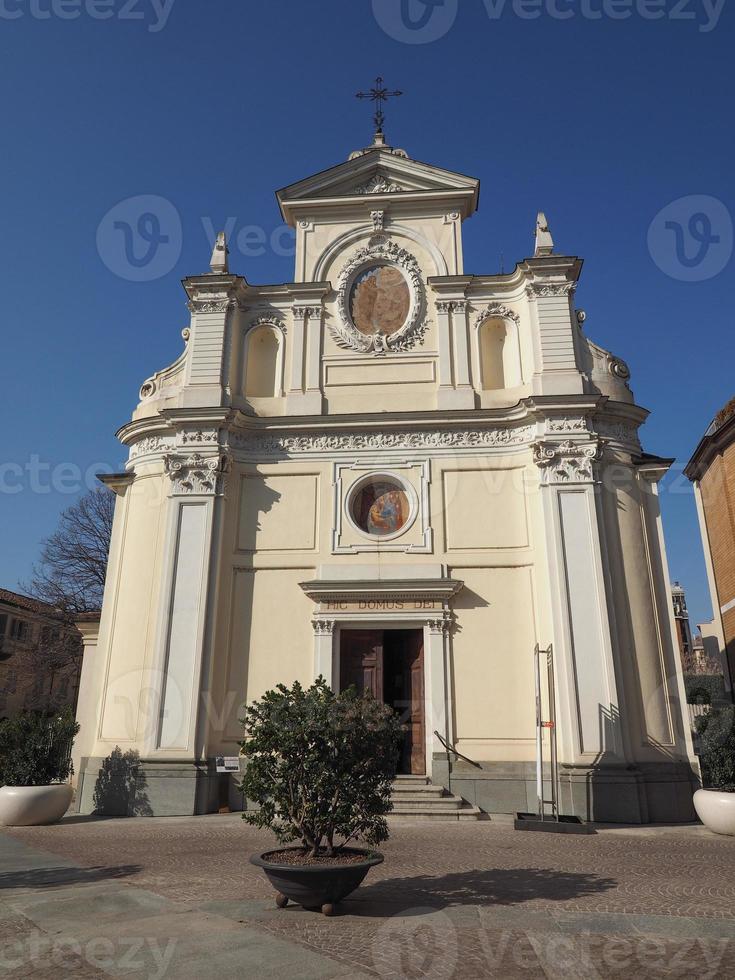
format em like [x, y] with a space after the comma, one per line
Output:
[338, 442]
[567, 462]
[150, 446]
[568, 424]
[199, 437]
[618, 431]
[535, 290]
[196, 475]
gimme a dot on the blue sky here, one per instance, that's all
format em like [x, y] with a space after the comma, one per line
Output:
[603, 119]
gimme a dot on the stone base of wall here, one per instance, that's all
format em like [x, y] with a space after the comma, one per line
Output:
[653, 793]
[647, 793]
[125, 787]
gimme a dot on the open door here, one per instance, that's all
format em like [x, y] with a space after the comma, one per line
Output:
[361, 661]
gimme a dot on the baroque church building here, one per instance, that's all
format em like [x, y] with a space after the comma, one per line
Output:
[391, 473]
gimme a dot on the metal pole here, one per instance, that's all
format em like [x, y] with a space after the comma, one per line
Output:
[539, 733]
[552, 720]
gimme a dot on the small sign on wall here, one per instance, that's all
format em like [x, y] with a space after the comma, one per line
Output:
[228, 763]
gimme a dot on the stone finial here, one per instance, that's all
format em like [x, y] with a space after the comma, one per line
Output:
[544, 241]
[218, 263]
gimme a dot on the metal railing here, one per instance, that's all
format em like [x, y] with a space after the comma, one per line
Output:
[450, 748]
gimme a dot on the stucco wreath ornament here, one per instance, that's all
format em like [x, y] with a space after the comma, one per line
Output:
[346, 335]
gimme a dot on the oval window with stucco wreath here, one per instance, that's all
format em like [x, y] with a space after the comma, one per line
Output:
[380, 300]
[381, 506]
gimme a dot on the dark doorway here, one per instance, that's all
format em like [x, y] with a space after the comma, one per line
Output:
[390, 665]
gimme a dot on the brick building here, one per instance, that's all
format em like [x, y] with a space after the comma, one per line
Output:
[40, 656]
[712, 471]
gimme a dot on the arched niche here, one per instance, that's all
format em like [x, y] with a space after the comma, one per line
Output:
[498, 352]
[263, 373]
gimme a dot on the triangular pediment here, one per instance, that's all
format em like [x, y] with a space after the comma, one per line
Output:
[378, 172]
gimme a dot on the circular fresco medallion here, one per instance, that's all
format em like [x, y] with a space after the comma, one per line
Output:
[380, 506]
[380, 300]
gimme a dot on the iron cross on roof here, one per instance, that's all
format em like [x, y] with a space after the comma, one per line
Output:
[379, 94]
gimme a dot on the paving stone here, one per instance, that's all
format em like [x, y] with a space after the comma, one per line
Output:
[450, 901]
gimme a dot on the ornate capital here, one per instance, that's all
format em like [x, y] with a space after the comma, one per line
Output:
[323, 627]
[195, 475]
[212, 303]
[536, 290]
[302, 312]
[444, 306]
[442, 625]
[567, 462]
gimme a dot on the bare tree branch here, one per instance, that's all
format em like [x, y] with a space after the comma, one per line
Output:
[70, 573]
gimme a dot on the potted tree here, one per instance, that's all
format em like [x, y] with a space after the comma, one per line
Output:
[715, 805]
[35, 762]
[319, 767]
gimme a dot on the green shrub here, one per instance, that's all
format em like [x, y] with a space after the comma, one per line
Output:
[704, 688]
[320, 765]
[716, 731]
[35, 750]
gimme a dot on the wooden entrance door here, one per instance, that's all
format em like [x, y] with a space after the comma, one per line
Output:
[361, 661]
[414, 748]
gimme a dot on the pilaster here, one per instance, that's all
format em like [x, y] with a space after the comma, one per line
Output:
[557, 371]
[304, 394]
[197, 486]
[324, 650]
[589, 706]
[455, 390]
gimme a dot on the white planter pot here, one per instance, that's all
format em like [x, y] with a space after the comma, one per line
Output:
[31, 806]
[716, 810]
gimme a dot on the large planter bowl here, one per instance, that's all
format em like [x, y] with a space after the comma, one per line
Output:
[32, 806]
[319, 886]
[716, 810]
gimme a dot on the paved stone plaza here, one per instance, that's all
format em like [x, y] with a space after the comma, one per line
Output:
[176, 897]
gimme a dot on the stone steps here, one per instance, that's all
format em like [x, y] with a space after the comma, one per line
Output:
[416, 798]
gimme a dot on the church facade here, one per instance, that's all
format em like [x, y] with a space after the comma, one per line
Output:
[394, 474]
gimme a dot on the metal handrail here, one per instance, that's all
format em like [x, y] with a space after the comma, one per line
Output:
[453, 750]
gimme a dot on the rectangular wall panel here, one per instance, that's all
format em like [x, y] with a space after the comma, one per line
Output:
[181, 685]
[484, 509]
[597, 720]
[279, 513]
